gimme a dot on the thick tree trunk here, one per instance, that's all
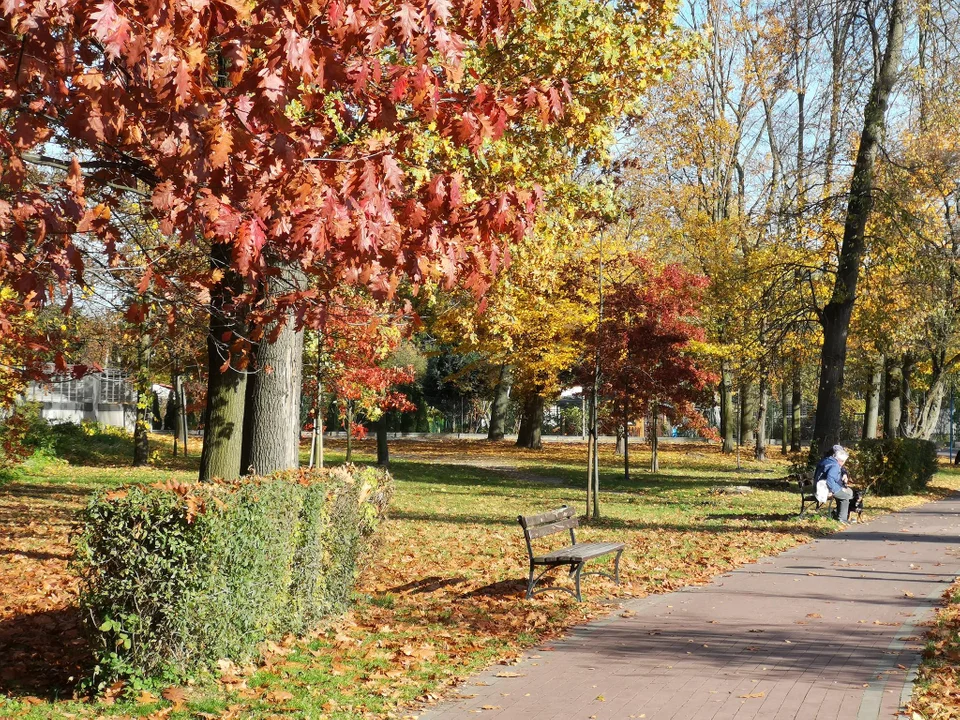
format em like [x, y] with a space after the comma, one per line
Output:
[796, 400]
[906, 396]
[929, 412]
[836, 314]
[383, 449]
[530, 421]
[728, 424]
[893, 387]
[871, 413]
[226, 386]
[273, 403]
[498, 408]
[141, 442]
[749, 405]
[760, 429]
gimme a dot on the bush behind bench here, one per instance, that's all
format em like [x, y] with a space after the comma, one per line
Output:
[177, 576]
[896, 466]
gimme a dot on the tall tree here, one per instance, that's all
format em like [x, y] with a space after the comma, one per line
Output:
[836, 315]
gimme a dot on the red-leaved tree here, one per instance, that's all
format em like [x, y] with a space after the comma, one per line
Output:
[646, 365]
[270, 138]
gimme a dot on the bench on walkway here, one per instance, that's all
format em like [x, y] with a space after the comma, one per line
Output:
[574, 555]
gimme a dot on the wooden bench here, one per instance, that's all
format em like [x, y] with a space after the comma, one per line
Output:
[575, 555]
[808, 495]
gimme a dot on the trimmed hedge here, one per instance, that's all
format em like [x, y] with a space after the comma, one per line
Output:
[897, 466]
[175, 577]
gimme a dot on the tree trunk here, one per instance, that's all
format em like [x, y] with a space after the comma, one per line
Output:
[498, 408]
[871, 413]
[654, 440]
[749, 405]
[836, 314]
[796, 399]
[893, 386]
[383, 450]
[784, 420]
[273, 403]
[530, 422]
[626, 442]
[620, 435]
[226, 385]
[929, 412]
[728, 423]
[349, 457]
[317, 460]
[760, 429]
[172, 422]
[141, 442]
[906, 397]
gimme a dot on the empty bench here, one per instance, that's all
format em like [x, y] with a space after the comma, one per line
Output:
[575, 555]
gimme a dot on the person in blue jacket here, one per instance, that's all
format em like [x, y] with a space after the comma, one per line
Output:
[831, 470]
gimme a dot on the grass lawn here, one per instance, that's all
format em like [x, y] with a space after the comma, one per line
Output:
[443, 597]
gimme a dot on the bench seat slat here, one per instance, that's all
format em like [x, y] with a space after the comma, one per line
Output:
[577, 553]
[543, 530]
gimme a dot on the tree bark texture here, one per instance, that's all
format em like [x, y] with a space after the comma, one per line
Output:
[226, 386]
[906, 396]
[498, 408]
[531, 420]
[760, 428]
[893, 387]
[835, 317]
[749, 405]
[383, 449]
[728, 424]
[871, 413]
[274, 400]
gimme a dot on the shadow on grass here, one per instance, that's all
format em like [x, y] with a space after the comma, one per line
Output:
[44, 654]
[427, 585]
[693, 527]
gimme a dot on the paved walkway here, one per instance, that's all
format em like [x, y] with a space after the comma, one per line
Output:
[826, 630]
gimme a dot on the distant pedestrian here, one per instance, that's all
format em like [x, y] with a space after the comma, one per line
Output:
[831, 470]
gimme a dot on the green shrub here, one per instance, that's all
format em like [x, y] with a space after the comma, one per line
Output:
[897, 466]
[176, 577]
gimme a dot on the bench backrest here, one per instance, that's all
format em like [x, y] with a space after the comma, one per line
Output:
[549, 523]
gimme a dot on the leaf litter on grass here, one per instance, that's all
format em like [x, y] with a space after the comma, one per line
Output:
[443, 596]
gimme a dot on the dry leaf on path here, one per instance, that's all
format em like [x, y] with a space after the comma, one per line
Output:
[753, 695]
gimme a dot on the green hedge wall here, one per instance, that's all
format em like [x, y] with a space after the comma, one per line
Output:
[897, 466]
[175, 577]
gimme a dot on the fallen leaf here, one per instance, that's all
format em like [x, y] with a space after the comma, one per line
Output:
[753, 695]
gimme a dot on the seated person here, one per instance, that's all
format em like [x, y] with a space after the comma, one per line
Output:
[830, 469]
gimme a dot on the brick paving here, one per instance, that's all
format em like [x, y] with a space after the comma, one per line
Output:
[827, 631]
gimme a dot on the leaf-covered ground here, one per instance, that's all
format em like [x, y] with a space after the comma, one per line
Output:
[443, 597]
[937, 693]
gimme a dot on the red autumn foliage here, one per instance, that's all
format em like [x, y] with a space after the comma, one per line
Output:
[649, 321]
[279, 132]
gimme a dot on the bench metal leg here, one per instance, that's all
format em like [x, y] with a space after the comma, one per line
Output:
[576, 579]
